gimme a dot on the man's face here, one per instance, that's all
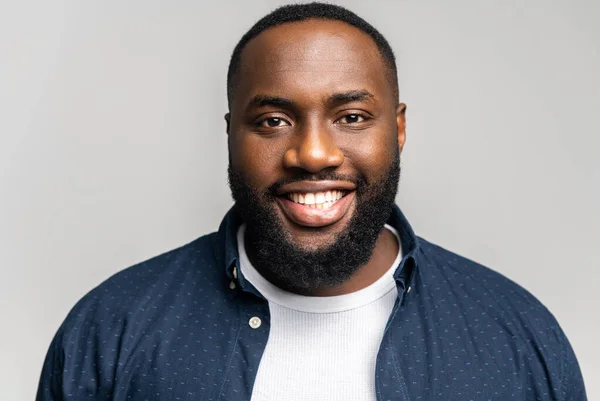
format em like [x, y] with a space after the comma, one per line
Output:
[315, 133]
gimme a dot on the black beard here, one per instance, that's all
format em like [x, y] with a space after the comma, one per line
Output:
[283, 263]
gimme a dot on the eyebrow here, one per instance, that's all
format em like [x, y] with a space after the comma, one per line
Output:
[350, 96]
[274, 101]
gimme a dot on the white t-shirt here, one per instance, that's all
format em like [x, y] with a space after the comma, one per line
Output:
[321, 348]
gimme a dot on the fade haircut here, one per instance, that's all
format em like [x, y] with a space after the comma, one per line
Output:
[301, 12]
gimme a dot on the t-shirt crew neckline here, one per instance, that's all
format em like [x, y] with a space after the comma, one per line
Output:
[315, 304]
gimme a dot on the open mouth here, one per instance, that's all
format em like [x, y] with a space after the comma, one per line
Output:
[316, 209]
[317, 200]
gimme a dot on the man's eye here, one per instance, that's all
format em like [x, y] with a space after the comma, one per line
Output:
[273, 122]
[352, 119]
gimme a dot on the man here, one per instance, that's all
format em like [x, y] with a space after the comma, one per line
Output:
[315, 286]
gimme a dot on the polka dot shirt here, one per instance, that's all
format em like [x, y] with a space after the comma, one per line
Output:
[186, 325]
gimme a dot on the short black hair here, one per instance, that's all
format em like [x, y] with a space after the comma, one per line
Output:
[301, 12]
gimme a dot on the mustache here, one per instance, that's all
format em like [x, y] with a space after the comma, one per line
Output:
[324, 175]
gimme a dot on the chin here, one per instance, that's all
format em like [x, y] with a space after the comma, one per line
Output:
[311, 239]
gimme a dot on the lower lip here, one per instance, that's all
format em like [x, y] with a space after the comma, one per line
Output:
[313, 217]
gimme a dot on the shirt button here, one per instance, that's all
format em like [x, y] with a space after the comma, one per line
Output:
[232, 285]
[235, 272]
[255, 322]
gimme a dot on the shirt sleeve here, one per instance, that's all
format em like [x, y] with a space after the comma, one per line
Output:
[573, 386]
[50, 385]
[80, 363]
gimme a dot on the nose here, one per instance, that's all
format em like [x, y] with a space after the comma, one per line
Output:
[313, 150]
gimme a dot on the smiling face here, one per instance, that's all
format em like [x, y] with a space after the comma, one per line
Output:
[315, 132]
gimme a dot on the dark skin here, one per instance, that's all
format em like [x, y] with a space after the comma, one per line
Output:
[312, 96]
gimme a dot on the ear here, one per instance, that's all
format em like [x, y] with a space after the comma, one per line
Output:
[401, 122]
[228, 120]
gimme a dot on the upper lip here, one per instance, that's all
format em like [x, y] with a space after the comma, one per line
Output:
[316, 186]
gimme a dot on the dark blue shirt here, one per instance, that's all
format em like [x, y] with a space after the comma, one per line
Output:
[175, 328]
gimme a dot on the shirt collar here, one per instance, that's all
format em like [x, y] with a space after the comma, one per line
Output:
[410, 246]
[227, 242]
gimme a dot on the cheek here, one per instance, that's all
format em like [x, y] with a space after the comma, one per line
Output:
[255, 159]
[372, 154]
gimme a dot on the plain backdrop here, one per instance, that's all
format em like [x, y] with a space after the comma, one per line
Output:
[113, 147]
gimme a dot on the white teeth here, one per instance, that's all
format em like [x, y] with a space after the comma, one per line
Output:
[320, 200]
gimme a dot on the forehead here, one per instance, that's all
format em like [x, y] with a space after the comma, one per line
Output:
[309, 59]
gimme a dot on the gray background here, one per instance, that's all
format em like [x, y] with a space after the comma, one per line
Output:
[112, 147]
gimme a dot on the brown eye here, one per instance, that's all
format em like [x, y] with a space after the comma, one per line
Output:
[351, 119]
[274, 122]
